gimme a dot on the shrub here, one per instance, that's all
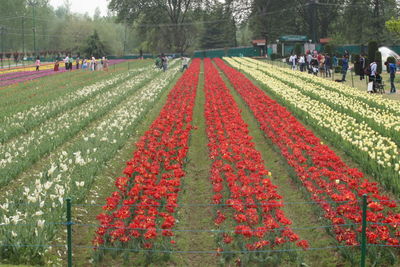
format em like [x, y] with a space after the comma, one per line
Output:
[355, 59]
[275, 56]
[372, 49]
[378, 60]
[391, 60]
[298, 49]
[338, 69]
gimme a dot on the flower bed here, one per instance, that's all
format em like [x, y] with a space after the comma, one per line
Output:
[241, 181]
[375, 100]
[329, 181]
[383, 121]
[377, 154]
[9, 77]
[69, 172]
[140, 214]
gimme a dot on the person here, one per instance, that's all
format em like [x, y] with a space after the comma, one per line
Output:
[66, 62]
[392, 71]
[362, 66]
[374, 70]
[302, 63]
[105, 64]
[37, 63]
[84, 64]
[293, 60]
[158, 62]
[77, 63]
[335, 61]
[321, 62]
[314, 66]
[309, 59]
[345, 67]
[185, 62]
[71, 60]
[164, 60]
[56, 65]
[328, 66]
[93, 64]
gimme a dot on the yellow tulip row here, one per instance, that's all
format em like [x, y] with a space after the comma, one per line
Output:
[385, 122]
[373, 150]
[374, 99]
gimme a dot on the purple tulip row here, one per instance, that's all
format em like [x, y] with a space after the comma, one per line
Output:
[22, 76]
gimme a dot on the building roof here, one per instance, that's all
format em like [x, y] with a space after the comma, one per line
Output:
[258, 42]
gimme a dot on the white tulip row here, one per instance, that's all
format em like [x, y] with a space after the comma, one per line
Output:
[379, 149]
[19, 153]
[386, 105]
[388, 123]
[24, 120]
[71, 172]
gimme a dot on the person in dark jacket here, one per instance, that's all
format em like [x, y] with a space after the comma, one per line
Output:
[345, 67]
[328, 66]
[362, 66]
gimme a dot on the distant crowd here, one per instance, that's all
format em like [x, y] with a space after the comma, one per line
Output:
[86, 64]
[162, 60]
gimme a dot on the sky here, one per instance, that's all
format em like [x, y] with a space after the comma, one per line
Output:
[83, 6]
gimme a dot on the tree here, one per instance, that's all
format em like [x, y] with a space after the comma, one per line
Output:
[378, 60]
[372, 49]
[217, 35]
[393, 26]
[174, 14]
[95, 47]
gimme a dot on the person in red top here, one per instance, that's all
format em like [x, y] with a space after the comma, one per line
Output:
[56, 65]
[37, 63]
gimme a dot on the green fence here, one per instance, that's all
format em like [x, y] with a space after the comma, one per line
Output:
[247, 51]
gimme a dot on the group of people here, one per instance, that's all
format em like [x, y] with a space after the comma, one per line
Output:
[320, 63]
[315, 63]
[90, 64]
[162, 62]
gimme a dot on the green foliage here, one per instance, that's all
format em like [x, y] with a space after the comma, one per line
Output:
[372, 48]
[393, 26]
[356, 61]
[275, 56]
[328, 49]
[95, 47]
[279, 49]
[391, 60]
[218, 35]
[378, 60]
[298, 49]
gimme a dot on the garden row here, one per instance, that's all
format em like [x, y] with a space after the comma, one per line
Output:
[141, 214]
[101, 125]
[18, 75]
[329, 181]
[364, 128]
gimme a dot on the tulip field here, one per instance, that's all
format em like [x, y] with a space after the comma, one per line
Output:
[233, 162]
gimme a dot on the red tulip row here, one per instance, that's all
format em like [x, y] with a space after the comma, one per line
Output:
[239, 178]
[142, 208]
[337, 187]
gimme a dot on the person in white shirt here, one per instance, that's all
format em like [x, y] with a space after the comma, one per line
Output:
[302, 63]
[185, 62]
[374, 68]
[66, 62]
[292, 60]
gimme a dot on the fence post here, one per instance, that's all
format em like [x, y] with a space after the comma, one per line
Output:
[352, 80]
[129, 66]
[364, 230]
[69, 232]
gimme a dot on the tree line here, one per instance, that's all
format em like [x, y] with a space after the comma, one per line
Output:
[181, 26]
